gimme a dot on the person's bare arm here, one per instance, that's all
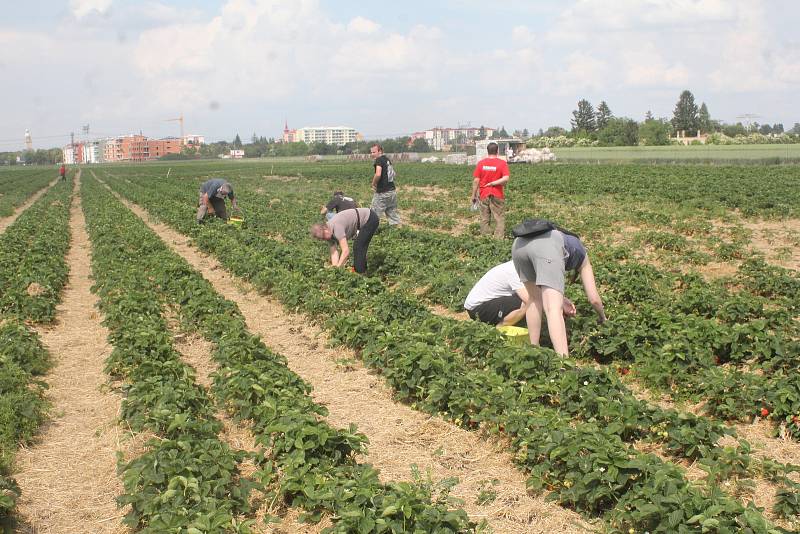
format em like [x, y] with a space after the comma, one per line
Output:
[334, 255]
[377, 177]
[475, 183]
[499, 181]
[589, 285]
[345, 252]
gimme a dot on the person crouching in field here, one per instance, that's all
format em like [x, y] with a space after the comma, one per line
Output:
[358, 224]
[500, 298]
[336, 204]
[541, 262]
[212, 199]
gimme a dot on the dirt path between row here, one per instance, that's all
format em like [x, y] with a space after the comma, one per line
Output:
[5, 222]
[399, 436]
[68, 478]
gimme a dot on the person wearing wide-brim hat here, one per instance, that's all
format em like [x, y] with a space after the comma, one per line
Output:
[212, 198]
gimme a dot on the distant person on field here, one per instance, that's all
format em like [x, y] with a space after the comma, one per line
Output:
[62, 172]
[212, 198]
[358, 224]
[336, 204]
[385, 198]
[490, 175]
[542, 262]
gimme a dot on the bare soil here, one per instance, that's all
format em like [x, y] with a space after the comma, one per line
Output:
[426, 191]
[68, 478]
[399, 436]
[779, 241]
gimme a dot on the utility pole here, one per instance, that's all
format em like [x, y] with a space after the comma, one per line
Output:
[72, 145]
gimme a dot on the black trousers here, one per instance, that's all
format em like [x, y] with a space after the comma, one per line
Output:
[361, 242]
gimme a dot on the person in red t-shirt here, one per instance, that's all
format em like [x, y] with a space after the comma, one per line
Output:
[491, 174]
[62, 172]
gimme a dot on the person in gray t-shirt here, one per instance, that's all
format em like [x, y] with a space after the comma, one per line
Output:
[212, 195]
[542, 262]
[358, 224]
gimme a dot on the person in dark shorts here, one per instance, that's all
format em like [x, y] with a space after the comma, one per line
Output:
[212, 195]
[541, 262]
[499, 297]
[358, 224]
[336, 204]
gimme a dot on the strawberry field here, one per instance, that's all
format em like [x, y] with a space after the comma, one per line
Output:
[679, 414]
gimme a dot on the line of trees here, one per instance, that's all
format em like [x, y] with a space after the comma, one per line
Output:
[600, 126]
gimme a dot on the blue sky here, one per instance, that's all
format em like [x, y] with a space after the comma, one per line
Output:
[384, 68]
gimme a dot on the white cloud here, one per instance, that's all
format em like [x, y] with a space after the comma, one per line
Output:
[362, 25]
[581, 72]
[646, 67]
[262, 60]
[81, 8]
[522, 36]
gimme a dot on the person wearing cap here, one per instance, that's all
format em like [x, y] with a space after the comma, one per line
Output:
[336, 204]
[212, 197]
[358, 224]
[541, 261]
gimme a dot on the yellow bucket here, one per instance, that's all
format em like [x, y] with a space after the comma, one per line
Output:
[516, 335]
[236, 221]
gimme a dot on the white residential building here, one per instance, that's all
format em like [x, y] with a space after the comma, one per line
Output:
[331, 135]
[439, 138]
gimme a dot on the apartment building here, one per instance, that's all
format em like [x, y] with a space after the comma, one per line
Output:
[135, 147]
[331, 135]
[440, 138]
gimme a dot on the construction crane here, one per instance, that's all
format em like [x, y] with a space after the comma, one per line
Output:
[179, 119]
[747, 117]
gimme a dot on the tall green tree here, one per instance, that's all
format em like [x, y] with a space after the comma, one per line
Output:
[554, 131]
[685, 116]
[420, 145]
[654, 132]
[602, 115]
[237, 141]
[583, 118]
[704, 119]
[619, 132]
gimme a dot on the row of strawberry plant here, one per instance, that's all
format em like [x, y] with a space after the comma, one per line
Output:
[711, 325]
[187, 480]
[314, 465]
[33, 268]
[708, 441]
[18, 185]
[265, 263]
[427, 259]
[683, 339]
[32, 273]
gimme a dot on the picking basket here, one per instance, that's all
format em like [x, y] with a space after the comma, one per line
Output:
[515, 335]
[236, 219]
